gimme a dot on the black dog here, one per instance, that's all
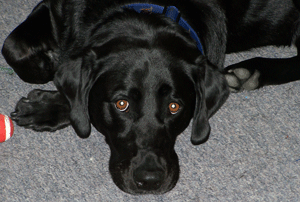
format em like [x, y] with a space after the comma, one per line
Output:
[140, 71]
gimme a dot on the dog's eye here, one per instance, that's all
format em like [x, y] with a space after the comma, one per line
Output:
[122, 105]
[174, 107]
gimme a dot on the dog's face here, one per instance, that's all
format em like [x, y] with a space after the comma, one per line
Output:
[140, 88]
[141, 105]
[141, 100]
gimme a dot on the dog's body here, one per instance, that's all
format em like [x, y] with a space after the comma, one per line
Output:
[139, 78]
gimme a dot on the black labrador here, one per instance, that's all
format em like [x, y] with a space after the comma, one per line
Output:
[139, 71]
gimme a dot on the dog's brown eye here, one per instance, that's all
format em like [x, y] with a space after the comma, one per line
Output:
[174, 107]
[122, 105]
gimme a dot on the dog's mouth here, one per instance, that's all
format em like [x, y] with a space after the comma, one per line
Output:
[152, 175]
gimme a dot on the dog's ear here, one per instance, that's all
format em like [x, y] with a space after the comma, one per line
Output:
[74, 79]
[211, 92]
[31, 48]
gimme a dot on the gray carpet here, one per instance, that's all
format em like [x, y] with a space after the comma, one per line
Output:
[253, 153]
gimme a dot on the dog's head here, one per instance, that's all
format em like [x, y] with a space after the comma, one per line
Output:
[140, 87]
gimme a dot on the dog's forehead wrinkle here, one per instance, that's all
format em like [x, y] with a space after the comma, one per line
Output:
[141, 71]
[149, 73]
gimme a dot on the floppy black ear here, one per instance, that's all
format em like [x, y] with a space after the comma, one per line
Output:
[211, 93]
[31, 48]
[75, 79]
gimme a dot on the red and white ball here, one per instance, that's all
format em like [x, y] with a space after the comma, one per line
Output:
[6, 128]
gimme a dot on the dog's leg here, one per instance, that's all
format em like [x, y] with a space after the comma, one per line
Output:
[42, 111]
[257, 72]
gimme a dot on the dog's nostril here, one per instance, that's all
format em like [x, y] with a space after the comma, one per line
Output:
[148, 180]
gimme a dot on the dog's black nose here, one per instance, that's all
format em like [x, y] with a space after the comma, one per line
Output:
[148, 180]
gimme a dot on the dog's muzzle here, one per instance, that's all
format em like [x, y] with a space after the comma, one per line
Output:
[150, 174]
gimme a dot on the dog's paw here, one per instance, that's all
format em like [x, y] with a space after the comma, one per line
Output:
[42, 111]
[240, 78]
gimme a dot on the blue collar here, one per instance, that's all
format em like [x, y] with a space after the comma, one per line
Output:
[170, 12]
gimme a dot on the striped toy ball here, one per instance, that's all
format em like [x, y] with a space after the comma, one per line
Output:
[6, 128]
